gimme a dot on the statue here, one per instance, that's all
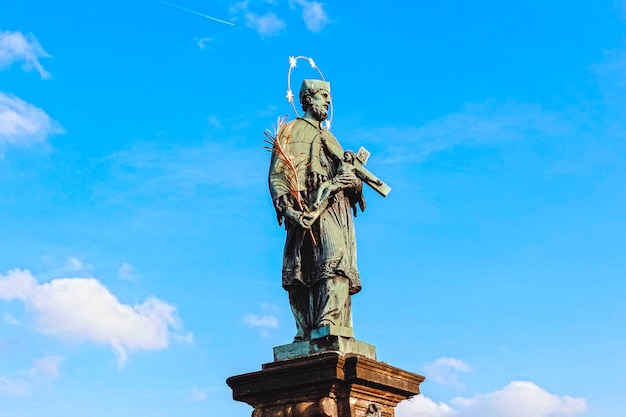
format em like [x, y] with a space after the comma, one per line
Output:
[316, 187]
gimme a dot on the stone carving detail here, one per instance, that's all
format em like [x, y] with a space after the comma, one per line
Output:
[325, 407]
[373, 410]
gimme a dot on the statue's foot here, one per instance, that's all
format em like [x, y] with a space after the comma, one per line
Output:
[300, 336]
[324, 323]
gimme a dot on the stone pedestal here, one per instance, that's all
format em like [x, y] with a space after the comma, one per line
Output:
[327, 384]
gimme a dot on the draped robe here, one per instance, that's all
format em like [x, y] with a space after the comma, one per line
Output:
[329, 249]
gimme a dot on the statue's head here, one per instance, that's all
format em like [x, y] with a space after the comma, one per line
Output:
[315, 98]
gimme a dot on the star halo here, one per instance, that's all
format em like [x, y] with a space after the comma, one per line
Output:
[293, 61]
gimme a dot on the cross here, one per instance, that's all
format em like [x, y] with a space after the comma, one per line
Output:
[357, 162]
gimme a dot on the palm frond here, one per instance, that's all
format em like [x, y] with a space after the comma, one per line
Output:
[288, 162]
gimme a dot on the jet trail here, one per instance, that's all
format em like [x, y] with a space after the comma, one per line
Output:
[196, 13]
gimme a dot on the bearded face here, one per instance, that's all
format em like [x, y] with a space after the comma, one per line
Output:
[320, 112]
[318, 104]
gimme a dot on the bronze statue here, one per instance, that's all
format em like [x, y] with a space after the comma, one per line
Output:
[315, 188]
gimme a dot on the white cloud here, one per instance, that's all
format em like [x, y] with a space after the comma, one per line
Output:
[422, 406]
[49, 366]
[266, 25]
[16, 47]
[517, 399]
[126, 271]
[445, 371]
[83, 310]
[21, 123]
[17, 284]
[313, 14]
[520, 399]
[264, 321]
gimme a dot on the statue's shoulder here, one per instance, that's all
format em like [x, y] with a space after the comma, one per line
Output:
[328, 134]
[296, 126]
[299, 123]
[331, 141]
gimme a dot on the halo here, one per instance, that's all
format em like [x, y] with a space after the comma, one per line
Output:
[292, 64]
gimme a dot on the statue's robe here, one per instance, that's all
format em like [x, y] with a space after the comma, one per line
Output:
[331, 250]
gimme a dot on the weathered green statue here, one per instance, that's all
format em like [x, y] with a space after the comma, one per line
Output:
[315, 192]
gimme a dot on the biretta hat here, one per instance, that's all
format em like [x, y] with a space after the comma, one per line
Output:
[313, 85]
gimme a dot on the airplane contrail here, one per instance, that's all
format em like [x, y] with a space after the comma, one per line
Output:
[196, 13]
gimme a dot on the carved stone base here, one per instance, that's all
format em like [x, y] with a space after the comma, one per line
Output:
[325, 385]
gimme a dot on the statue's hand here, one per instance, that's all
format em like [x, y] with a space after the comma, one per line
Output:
[307, 219]
[302, 219]
[313, 180]
[347, 180]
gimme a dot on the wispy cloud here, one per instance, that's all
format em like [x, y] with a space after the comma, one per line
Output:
[264, 321]
[611, 76]
[445, 371]
[266, 24]
[9, 319]
[181, 169]
[313, 14]
[126, 271]
[83, 310]
[262, 16]
[49, 366]
[197, 395]
[203, 394]
[69, 265]
[517, 399]
[74, 264]
[202, 42]
[22, 124]
[43, 370]
[14, 387]
[16, 47]
[477, 124]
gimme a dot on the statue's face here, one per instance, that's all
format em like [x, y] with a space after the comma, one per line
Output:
[319, 104]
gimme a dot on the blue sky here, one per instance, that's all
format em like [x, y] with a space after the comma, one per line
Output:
[139, 253]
